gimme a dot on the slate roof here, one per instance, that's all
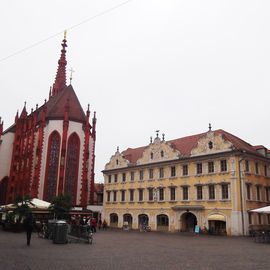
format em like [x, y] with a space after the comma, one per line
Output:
[56, 108]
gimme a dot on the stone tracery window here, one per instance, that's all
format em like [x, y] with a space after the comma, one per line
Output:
[72, 165]
[52, 166]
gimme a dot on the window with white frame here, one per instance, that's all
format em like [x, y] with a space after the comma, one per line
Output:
[248, 187]
[150, 194]
[223, 165]
[161, 194]
[185, 170]
[173, 171]
[140, 195]
[199, 192]
[185, 193]
[258, 192]
[123, 195]
[151, 173]
[161, 172]
[225, 191]
[199, 168]
[131, 195]
[115, 196]
[172, 193]
[211, 191]
[211, 167]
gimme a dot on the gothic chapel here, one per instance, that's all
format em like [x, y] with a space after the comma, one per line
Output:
[51, 150]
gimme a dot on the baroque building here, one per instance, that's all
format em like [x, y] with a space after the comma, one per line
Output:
[51, 150]
[211, 179]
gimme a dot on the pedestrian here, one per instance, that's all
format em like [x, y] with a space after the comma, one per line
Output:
[99, 224]
[93, 225]
[104, 225]
[29, 224]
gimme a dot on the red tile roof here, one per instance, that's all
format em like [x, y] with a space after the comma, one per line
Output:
[186, 144]
[99, 188]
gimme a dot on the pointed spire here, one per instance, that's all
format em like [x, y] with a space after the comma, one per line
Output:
[24, 112]
[88, 110]
[60, 79]
[17, 116]
[1, 127]
[50, 92]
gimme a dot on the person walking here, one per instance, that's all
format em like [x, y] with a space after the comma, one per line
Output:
[29, 224]
[99, 224]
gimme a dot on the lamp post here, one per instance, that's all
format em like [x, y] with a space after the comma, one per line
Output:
[241, 195]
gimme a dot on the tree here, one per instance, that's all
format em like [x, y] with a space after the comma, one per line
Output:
[22, 206]
[60, 206]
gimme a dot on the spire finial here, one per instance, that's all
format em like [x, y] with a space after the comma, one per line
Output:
[157, 131]
[210, 127]
[65, 34]
[117, 148]
[71, 73]
[163, 136]
[60, 79]
[151, 139]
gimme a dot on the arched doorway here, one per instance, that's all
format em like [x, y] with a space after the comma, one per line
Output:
[128, 218]
[113, 220]
[188, 222]
[162, 223]
[217, 224]
[143, 220]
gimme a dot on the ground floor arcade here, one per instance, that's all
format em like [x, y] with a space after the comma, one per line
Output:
[177, 219]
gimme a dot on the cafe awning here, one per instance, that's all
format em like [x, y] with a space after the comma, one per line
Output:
[217, 217]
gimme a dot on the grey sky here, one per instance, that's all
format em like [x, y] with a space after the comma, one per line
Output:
[151, 64]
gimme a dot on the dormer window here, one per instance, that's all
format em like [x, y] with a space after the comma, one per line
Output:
[162, 153]
[117, 162]
[210, 145]
[151, 155]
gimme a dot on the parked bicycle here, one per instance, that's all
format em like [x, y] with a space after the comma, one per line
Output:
[43, 230]
[145, 228]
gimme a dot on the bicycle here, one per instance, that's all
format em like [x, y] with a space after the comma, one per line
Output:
[42, 232]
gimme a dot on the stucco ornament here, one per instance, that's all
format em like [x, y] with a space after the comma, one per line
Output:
[117, 161]
[211, 143]
[159, 150]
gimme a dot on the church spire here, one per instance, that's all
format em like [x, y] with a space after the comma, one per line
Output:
[60, 79]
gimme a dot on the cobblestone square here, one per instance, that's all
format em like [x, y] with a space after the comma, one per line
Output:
[134, 250]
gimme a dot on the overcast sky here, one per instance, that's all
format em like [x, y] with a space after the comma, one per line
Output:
[172, 65]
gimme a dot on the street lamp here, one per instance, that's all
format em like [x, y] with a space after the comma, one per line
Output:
[241, 194]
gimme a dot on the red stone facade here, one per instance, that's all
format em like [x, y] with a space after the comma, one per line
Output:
[51, 149]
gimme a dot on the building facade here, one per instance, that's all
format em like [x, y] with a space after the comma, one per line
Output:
[51, 150]
[211, 179]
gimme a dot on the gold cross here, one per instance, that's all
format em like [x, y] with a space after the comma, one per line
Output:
[71, 72]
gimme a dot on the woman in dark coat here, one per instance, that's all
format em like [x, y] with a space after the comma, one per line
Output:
[29, 224]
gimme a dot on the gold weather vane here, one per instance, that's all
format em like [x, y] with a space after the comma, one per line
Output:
[65, 34]
[71, 73]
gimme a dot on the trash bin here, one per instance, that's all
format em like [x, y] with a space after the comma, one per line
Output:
[60, 232]
[50, 229]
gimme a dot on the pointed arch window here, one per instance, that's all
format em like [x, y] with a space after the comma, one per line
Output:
[52, 166]
[72, 166]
